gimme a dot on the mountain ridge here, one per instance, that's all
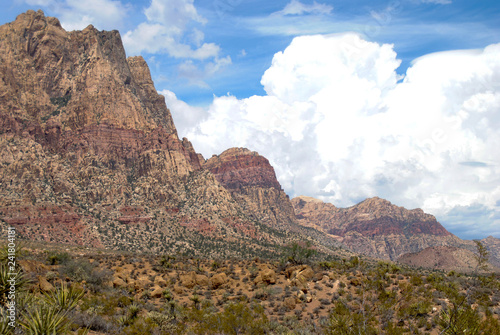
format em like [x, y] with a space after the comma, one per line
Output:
[91, 156]
[380, 229]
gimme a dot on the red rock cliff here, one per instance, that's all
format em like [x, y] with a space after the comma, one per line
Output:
[251, 180]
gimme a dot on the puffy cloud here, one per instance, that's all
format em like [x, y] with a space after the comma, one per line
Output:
[186, 117]
[296, 7]
[196, 73]
[177, 13]
[339, 124]
[439, 2]
[169, 24]
[75, 14]
[171, 28]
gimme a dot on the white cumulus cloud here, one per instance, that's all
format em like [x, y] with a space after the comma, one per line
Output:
[339, 124]
[172, 28]
[76, 15]
[296, 7]
[167, 24]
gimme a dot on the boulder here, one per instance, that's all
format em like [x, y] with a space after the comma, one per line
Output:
[267, 276]
[188, 280]
[118, 282]
[159, 281]
[218, 280]
[156, 292]
[44, 285]
[300, 275]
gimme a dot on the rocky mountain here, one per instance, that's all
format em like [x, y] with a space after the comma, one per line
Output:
[374, 227]
[492, 244]
[445, 258]
[90, 154]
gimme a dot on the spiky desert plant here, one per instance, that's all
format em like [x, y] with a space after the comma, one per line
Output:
[133, 311]
[45, 320]
[5, 328]
[459, 318]
[6, 252]
[14, 281]
[64, 298]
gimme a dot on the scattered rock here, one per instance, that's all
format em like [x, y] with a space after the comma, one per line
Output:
[156, 292]
[159, 281]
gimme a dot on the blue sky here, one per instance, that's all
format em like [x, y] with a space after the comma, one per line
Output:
[251, 32]
[347, 99]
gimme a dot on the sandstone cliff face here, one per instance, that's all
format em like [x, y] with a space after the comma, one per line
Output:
[252, 182]
[374, 227]
[90, 154]
[75, 79]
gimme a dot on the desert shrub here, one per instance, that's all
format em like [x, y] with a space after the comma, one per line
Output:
[83, 270]
[76, 271]
[97, 278]
[166, 323]
[55, 258]
[92, 321]
[298, 253]
[459, 318]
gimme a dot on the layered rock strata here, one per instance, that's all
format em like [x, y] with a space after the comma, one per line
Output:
[374, 227]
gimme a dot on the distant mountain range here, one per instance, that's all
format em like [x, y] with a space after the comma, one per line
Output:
[90, 155]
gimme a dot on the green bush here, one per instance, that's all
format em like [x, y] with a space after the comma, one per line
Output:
[55, 258]
[298, 254]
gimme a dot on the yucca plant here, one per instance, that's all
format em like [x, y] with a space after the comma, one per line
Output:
[7, 279]
[64, 298]
[4, 252]
[459, 318]
[5, 329]
[129, 318]
[133, 311]
[45, 320]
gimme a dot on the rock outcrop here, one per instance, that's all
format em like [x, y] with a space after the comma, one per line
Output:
[252, 182]
[374, 227]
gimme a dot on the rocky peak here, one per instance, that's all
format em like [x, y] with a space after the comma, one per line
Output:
[239, 167]
[74, 79]
[374, 208]
[252, 182]
[375, 226]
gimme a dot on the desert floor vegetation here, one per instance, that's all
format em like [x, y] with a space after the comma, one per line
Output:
[69, 290]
